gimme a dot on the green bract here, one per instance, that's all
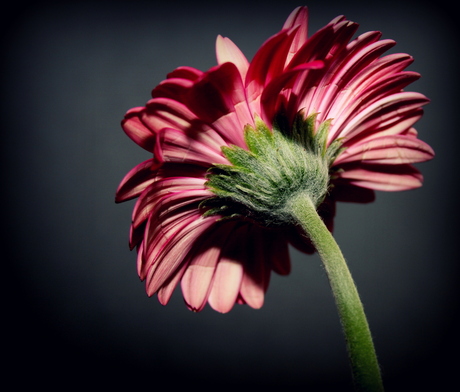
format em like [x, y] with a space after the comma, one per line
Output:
[278, 164]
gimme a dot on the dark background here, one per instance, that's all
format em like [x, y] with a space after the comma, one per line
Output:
[76, 312]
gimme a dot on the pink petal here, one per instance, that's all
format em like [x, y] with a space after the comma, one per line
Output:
[388, 150]
[362, 85]
[150, 200]
[158, 234]
[197, 279]
[219, 99]
[382, 177]
[134, 127]
[215, 94]
[135, 181]
[168, 113]
[387, 111]
[342, 66]
[226, 285]
[297, 19]
[136, 236]
[228, 275]
[227, 51]
[343, 70]
[345, 108]
[164, 226]
[165, 292]
[325, 42]
[203, 148]
[177, 83]
[166, 262]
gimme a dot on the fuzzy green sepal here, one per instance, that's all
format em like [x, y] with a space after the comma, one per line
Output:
[277, 165]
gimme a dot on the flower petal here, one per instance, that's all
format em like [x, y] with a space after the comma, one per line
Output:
[278, 253]
[188, 73]
[393, 150]
[219, 99]
[382, 177]
[277, 92]
[203, 148]
[173, 253]
[164, 112]
[325, 42]
[197, 279]
[385, 113]
[256, 274]
[227, 51]
[135, 181]
[172, 88]
[171, 213]
[298, 19]
[165, 292]
[149, 201]
[355, 59]
[177, 82]
[269, 62]
[135, 128]
[228, 275]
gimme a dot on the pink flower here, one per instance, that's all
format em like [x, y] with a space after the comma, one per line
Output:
[193, 114]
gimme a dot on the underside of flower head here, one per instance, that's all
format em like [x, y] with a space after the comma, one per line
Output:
[277, 164]
[335, 123]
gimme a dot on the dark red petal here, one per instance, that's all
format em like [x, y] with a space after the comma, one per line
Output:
[277, 252]
[216, 93]
[188, 73]
[277, 92]
[257, 267]
[269, 61]
[325, 42]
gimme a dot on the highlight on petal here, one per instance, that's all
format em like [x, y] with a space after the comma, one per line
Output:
[228, 275]
[197, 279]
[227, 51]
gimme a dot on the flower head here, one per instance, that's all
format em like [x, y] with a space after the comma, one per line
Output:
[326, 114]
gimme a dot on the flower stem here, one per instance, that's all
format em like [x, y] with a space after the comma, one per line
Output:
[363, 360]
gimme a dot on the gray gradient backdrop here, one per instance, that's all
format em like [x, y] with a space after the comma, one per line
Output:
[76, 311]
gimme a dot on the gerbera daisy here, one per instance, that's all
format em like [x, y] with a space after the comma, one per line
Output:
[232, 147]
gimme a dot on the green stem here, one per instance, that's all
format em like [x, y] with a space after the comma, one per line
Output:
[363, 360]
